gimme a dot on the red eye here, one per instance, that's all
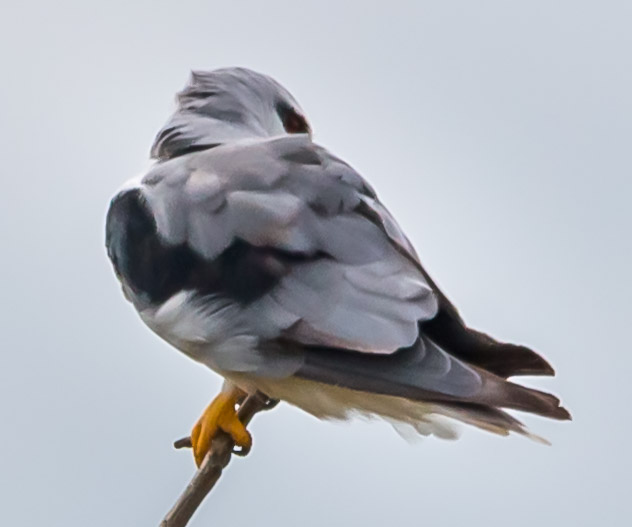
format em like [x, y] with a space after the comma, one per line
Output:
[293, 122]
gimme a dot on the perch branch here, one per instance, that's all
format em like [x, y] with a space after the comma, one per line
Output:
[214, 463]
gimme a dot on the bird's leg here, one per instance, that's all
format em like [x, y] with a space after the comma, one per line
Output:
[220, 415]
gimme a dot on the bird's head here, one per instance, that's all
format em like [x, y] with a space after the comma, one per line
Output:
[227, 105]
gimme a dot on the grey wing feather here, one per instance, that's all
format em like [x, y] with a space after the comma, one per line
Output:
[357, 292]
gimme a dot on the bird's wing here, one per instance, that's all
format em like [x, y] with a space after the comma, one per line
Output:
[277, 241]
[344, 274]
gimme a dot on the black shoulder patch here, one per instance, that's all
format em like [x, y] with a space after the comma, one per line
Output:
[155, 271]
[151, 269]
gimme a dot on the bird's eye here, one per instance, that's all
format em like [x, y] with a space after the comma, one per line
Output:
[293, 122]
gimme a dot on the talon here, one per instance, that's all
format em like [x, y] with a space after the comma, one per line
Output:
[220, 415]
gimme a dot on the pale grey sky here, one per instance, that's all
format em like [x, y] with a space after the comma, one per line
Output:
[499, 134]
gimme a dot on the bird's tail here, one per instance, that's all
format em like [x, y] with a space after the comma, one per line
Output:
[424, 381]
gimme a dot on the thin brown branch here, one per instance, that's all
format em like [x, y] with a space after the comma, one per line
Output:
[211, 468]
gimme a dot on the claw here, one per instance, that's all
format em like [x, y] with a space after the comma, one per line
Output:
[220, 415]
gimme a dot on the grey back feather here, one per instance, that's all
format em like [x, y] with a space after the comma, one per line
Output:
[363, 294]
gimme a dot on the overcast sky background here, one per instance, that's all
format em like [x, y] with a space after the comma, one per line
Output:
[499, 134]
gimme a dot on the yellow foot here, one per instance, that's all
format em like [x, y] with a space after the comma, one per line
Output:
[220, 415]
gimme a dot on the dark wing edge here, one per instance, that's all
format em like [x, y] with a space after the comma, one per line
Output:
[448, 329]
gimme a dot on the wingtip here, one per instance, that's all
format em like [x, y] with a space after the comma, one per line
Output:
[536, 364]
[564, 414]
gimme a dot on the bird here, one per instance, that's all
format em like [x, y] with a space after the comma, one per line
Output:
[260, 254]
